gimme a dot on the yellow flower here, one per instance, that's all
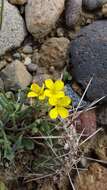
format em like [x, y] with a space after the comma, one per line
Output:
[36, 91]
[54, 90]
[60, 108]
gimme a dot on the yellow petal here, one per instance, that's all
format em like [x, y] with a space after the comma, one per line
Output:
[35, 87]
[59, 94]
[48, 93]
[42, 88]
[64, 101]
[53, 113]
[42, 96]
[32, 95]
[63, 112]
[52, 101]
[59, 85]
[49, 83]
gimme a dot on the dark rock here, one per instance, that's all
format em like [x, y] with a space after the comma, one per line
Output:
[102, 115]
[88, 56]
[93, 4]
[72, 13]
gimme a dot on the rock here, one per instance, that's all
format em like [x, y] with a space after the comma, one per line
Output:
[27, 49]
[75, 97]
[27, 61]
[41, 17]
[53, 56]
[1, 84]
[60, 32]
[72, 13]
[3, 63]
[18, 2]
[86, 122]
[15, 76]
[32, 67]
[102, 115]
[17, 55]
[40, 77]
[88, 58]
[12, 31]
[93, 4]
[92, 179]
[101, 147]
[104, 10]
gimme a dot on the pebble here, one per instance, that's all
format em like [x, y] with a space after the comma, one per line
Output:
[27, 49]
[27, 61]
[17, 55]
[32, 67]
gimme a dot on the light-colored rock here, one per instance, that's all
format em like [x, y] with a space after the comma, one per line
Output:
[27, 49]
[18, 2]
[12, 31]
[1, 84]
[15, 76]
[53, 56]
[41, 16]
[3, 63]
[93, 178]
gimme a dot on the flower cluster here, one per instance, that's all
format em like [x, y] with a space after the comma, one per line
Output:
[57, 99]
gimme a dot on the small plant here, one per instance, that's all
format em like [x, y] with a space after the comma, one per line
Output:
[37, 132]
[22, 118]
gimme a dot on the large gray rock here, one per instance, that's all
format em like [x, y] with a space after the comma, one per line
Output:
[12, 31]
[88, 56]
[42, 15]
[15, 76]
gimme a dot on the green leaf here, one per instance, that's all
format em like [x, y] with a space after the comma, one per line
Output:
[28, 144]
[2, 186]
[18, 143]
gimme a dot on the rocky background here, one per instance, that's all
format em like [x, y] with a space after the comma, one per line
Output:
[40, 38]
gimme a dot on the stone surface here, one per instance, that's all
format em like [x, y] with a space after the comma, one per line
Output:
[27, 49]
[75, 97]
[18, 2]
[1, 84]
[15, 76]
[32, 67]
[93, 179]
[93, 4]
[86, 122]
[72, 13]
[88, 57]
[12, 31]
[102, 115]
[101, 146]
[41, 16]
[3, 63]
[53, 56]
